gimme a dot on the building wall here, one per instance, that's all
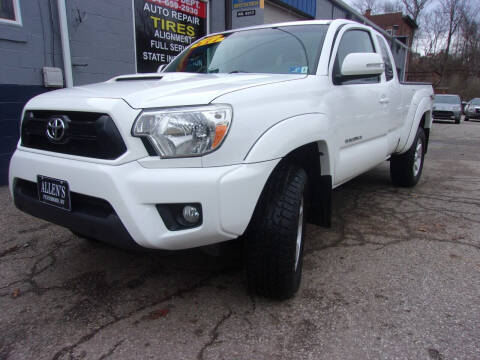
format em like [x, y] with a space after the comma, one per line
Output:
[306, 7]
[324, 10]
[386, 21]
[12, 100]
[275, 14]
[24, 50]
[101, 39]
[102, 46]
[217, 16]
[339, 13]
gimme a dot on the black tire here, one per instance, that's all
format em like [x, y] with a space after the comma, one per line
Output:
[402, 171]
[457, 121]
[467, 119]
[272, 266]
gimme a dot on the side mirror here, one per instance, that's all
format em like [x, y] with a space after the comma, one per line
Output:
[161, 67]
[357, 64]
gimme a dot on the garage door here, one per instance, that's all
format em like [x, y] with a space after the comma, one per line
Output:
[275, 14]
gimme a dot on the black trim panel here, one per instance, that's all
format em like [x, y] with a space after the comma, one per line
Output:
[172, 216]
[92, 135]
[91, 217]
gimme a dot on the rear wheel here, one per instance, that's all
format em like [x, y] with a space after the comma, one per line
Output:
[406, 169]
[275, 240]
[467, 119]
[457, 121]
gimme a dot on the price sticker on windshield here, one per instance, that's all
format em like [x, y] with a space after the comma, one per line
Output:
[208, 40]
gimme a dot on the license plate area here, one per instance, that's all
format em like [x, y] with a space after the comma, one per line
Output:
[54, 192]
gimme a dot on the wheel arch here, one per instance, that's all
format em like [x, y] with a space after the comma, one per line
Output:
[305, 142]
[298, 132]
[423, 118]
[308, 157]
[319, 201]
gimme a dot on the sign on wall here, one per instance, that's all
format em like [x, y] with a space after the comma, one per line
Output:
[242, 4]
[247, 13]
[163, 28]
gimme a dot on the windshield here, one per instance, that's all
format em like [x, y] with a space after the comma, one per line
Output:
[475, 101]
[446, 99]
[280, 50]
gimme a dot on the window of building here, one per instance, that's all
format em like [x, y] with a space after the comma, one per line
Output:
[386, 59]
[10, 12]
[353, 41]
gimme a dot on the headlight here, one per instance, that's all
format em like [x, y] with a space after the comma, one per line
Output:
[183, 132]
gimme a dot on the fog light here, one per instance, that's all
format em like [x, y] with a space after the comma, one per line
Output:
[191, 214]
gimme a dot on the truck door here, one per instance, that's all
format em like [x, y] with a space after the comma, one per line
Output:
[393, 102]
[360, 116]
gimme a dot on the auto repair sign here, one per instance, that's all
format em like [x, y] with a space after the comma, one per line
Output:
[163, 28]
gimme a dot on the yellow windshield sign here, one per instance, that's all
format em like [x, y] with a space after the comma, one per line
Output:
[209, 40]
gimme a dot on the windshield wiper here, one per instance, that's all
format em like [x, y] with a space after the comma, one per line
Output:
[237, 71]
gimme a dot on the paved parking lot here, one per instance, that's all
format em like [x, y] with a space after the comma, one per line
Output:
[396, 277]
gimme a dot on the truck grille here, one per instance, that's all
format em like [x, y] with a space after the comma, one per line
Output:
[442, 114]
[77, 133]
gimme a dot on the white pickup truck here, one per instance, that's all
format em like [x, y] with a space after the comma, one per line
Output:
[245, 133]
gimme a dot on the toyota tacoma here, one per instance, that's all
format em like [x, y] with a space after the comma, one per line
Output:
[244, 134]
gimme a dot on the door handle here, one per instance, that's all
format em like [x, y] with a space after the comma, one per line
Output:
[384, 100]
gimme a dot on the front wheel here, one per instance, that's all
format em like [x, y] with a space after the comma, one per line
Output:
[406, 169]
[274, 244]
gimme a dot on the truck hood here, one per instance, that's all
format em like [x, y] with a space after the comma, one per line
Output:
[170, 89]
[446, 107]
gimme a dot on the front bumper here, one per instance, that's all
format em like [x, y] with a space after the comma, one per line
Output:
[473, 114]
[446, 115]
[228, 195]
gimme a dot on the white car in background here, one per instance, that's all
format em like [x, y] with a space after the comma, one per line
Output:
[447, 107]
[472, 109]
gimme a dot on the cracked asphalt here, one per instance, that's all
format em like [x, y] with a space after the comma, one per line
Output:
[396, 277]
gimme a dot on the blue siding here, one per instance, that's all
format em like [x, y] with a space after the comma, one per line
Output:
[12, 100]
[308, 7]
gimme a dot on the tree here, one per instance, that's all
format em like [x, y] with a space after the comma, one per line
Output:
[414, 7]
[432, 33]
[364, 5]
[450, 37]
[469, 41]
[454, 12]
[390, 6]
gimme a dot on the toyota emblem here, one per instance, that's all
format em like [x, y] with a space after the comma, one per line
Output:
[56, 128]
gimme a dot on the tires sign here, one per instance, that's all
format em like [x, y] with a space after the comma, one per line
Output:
[163, 28]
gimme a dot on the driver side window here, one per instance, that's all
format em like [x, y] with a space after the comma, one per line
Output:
[353, 41]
